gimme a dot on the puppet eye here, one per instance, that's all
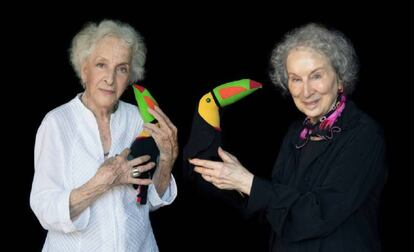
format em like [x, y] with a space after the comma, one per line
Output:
[208, 100]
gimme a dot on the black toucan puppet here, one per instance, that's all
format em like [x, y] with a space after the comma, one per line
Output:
[144, 144]
[205, 136]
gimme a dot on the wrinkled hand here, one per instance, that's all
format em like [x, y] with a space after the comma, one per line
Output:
[165, 136]
[229, 174]
[117, 170]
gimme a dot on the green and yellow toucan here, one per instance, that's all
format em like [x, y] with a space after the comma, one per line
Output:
[144, 144]
[205, 136]
[223, 95]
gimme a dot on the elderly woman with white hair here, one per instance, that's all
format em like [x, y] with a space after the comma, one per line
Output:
[81, 190]
[327, 181]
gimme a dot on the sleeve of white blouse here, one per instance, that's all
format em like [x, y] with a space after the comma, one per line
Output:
[49, 197]
[156, 201]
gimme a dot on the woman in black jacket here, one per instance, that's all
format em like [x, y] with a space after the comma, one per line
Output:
[327, 180]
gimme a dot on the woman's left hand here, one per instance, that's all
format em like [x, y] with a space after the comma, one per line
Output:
[229, 174]
[165, 136]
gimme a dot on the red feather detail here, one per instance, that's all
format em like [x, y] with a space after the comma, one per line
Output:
[230, 91]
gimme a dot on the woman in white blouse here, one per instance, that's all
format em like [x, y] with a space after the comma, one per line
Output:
[81, 190]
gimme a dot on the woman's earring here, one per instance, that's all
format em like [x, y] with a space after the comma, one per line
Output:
[83, 84]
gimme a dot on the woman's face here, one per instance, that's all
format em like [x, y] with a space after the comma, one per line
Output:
[312, 82]
[106, 73]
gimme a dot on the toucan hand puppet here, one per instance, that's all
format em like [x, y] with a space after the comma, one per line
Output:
[144, 144]
[205, 136]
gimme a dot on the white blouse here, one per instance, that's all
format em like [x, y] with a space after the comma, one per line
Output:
[68, 151]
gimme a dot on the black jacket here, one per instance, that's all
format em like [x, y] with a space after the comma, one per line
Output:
[330, 202]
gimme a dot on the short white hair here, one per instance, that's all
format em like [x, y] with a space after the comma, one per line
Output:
[332, 44]
[85, 41]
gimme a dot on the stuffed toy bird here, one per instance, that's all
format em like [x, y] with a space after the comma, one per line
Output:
[205, 136]
[144, 144]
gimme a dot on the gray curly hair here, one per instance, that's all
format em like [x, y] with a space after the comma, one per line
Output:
[330, 43]
[85, 41]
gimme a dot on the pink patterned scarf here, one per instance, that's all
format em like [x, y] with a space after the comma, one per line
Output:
[325, 127]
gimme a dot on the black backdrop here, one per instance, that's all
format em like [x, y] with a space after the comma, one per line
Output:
[188, 54]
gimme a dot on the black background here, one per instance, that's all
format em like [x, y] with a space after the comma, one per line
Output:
[189, 53]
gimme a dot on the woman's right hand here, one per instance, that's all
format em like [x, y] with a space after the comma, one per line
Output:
[117, 170]
[229, 174]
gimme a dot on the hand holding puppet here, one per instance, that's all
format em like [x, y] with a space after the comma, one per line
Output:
[144, 144]
[205, 136]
